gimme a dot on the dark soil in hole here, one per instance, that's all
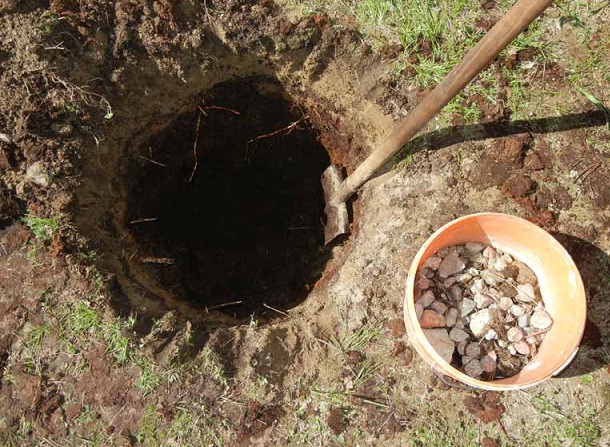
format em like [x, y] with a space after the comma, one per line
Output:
[245, 226]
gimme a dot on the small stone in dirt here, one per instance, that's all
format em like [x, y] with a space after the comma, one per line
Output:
[426, 298]
[451, 317]
[473, 368]
[461, 347]
[431, 319]
[507, 290]
[541, 320]
[439, 307]
[525, 293]
[433, 262]
[517, 310]
[500, 264]
[475, 247]
[464, 278]
[522, 347]
[396, 326]
[467, 306]
[451, 265]
[488, 363]
[440, 341]
[514, 334]
[62, 130]
[482, 321]
[419, 310]
[6, 138]
[38, 175]
[458, 335]
[456, 293]
[459, 324]
[423, 283]
[473, 350]
[478, 286]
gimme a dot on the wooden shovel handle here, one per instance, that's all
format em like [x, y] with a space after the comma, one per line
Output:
[510, 26]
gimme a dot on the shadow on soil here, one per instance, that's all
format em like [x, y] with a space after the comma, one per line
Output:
[449, 136]
[594, 267]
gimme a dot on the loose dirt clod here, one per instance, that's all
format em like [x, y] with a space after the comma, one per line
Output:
[491, 306]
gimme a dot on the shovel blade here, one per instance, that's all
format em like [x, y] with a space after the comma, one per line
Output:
[337, 219]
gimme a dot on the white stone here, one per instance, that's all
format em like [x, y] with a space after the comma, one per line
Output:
[458, 335]
[489, 252]
[517, 310]
[523, 321]
[492, 277]
[522, 347]
[463, 278]
[491, 335]
[514, 334]
[482, 321]
[505, 303]
[541, 320]
[450, 265]
[500, 264]
[512, 350]
[467, 306]
[478, 286]
[426, 298]
[440, 341]
[525, 293]
[482, 300]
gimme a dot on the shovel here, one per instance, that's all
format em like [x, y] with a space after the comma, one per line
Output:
[337, 191]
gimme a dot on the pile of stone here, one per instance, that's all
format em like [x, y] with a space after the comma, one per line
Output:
[481, 310]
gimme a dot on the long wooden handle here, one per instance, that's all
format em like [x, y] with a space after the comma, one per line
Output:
[510, 26]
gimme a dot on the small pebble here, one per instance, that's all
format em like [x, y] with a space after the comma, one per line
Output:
[517, 310]
[450, 265]
[500, 264]
[491, 335]
[419, 310]
[491, 276]
[525, 293]
[489, 252]
[505, 303]
[449, 282]
[456, 293]
[522, 347]
[461, 347]
[475, 247]
[426, 298]
[541, 320]
[6, 138]
[482, 321]
[473, 368]
[473, 350]
[514, 334]
[439, 307]
[433, 262]
[431, 319]
[482, 300]
[523, 321]
[441, 343]
[460, 324]
[458, 335]
[478, 286]
[512, 350]
[451, 317]
[463, 278]
[488, 363]
[467, 306]
[423, 283]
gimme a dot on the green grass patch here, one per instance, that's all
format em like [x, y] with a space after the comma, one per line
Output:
[43, 229]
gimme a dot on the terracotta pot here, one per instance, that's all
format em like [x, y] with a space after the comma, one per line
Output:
[560, 286]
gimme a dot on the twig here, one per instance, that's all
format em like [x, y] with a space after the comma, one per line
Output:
[195, 146]
[204, 108]
[144, 219]
[220, 306]
[152, 161]
[276, 310]
[287, 128]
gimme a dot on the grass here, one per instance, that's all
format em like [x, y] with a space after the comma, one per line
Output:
[43, 229]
